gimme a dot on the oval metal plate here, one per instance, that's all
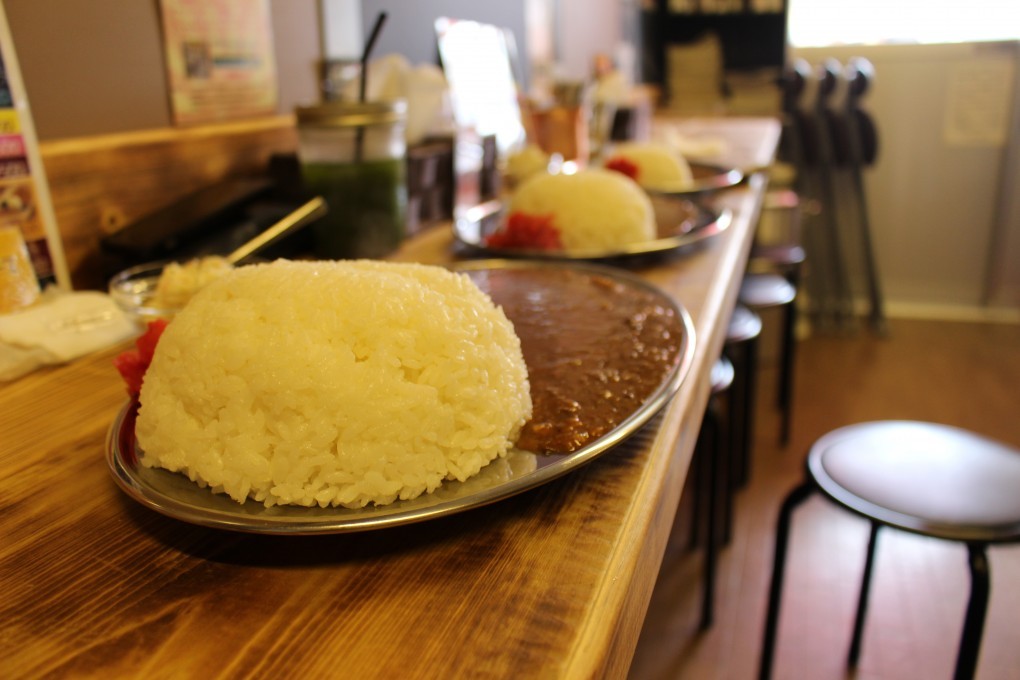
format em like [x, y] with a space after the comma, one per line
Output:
[176, 496]
[682, 224]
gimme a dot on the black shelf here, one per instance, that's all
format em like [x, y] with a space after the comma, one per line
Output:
[750, 40]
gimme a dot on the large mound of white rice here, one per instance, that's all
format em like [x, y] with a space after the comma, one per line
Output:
[658, 166]
[594, 210]
[334, 383]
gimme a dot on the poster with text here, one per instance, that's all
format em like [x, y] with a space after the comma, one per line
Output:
[25, 206]
[219, 59]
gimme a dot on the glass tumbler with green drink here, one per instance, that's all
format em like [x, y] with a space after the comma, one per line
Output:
[353, 155]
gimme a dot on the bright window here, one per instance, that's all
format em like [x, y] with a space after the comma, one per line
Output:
[817, 23]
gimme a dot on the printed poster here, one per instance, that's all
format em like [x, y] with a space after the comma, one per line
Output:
[21, 205]
[979, 101]
[219, 59]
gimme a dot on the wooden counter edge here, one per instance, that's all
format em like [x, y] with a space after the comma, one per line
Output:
[646, 529]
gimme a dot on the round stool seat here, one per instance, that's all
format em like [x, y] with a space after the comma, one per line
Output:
[766, 290]
[930, 479]
[778, 255]
[926, 478]
[744, 325]
[782, 199]
[722, 375]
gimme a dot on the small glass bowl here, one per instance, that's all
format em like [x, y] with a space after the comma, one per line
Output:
[134, 290]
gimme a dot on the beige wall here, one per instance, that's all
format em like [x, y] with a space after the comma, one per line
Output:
[945, 241]
[96, 66]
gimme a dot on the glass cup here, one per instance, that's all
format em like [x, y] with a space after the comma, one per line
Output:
[353, 155]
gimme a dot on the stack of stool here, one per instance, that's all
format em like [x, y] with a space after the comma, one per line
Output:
[773, 280]
[774, 266]
[723, 455]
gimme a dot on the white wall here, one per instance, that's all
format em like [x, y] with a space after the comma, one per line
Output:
[584, 29]
[410, 31]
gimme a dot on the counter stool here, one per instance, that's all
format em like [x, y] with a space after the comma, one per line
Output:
[929, 479]
[784, 255]
[711, 461]
[781, 258]
[764, 291]
[784, 203]
[723, 445]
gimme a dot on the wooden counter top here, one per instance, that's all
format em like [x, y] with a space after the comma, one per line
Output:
[552, 583]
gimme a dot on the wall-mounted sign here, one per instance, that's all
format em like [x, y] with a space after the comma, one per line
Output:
[219, 59]
[979, 97]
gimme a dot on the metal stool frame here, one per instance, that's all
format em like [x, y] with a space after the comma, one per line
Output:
[976, 538]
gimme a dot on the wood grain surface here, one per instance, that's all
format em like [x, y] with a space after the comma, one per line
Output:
[552, 583]
[103, 183]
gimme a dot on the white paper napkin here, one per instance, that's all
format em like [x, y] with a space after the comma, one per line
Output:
[59, 328]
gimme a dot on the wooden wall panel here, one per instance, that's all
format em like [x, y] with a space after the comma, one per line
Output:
[100, 184]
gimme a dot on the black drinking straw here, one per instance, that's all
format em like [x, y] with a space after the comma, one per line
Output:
[363, 85]
[372, 38]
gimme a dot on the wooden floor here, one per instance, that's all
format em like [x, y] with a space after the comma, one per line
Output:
[960, 374]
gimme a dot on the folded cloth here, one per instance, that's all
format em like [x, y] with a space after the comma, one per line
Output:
[703, 147]
[59, 328]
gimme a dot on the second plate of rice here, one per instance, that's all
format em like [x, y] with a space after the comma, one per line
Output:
[681, 224]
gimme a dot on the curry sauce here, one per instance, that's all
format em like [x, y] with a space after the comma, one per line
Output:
[596, 349]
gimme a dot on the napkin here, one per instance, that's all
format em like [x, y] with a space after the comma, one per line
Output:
[703, 147]
[60, 327]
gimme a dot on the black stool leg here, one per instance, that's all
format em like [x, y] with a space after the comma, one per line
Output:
[974, 622]
[795, 498]
[710, 430]
[862, 599]
[743, 397]
[737, 411]
[786, 371]
[724, 466]
[747, 444]
[700, 473]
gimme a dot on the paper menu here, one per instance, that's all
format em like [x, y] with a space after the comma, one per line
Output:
[978, 100]
[24, 191]
[219, 59]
